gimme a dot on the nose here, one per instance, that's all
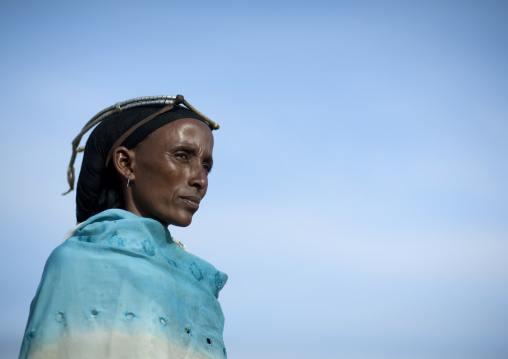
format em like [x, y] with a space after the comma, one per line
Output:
[199, 178]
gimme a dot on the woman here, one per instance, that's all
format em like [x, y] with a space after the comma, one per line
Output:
[120, 286]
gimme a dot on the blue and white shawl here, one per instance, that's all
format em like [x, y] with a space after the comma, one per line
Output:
[119, 287]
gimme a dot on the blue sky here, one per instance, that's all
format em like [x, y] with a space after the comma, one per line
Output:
[359, 197]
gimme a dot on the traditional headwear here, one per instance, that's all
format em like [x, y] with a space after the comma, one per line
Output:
[124, 124]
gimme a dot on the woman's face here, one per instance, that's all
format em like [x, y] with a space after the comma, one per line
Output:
[170, 172]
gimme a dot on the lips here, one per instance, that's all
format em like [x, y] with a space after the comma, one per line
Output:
[191, 201]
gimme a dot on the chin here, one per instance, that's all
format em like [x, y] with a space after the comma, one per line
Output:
[186, 224]
[178, 222]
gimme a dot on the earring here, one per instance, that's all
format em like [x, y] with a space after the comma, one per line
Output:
[128, 181]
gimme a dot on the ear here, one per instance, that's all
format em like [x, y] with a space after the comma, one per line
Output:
[123, 159]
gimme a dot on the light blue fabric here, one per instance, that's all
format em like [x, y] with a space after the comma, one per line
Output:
[120, 287]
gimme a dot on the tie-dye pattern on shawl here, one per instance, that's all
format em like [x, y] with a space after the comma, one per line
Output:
[121, 288]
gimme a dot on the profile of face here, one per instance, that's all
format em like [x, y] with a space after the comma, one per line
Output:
[168, 172]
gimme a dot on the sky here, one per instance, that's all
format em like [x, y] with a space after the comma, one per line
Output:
[359, 196]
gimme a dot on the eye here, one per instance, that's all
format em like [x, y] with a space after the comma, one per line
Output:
[181, 155]
[207, 167]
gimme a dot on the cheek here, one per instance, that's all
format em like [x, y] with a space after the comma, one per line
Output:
[152, 169]
[148, 183]
[164, 186]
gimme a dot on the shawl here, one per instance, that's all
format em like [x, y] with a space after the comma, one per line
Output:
[120, 287]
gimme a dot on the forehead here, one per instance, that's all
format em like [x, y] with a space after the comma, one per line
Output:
[185, 131]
